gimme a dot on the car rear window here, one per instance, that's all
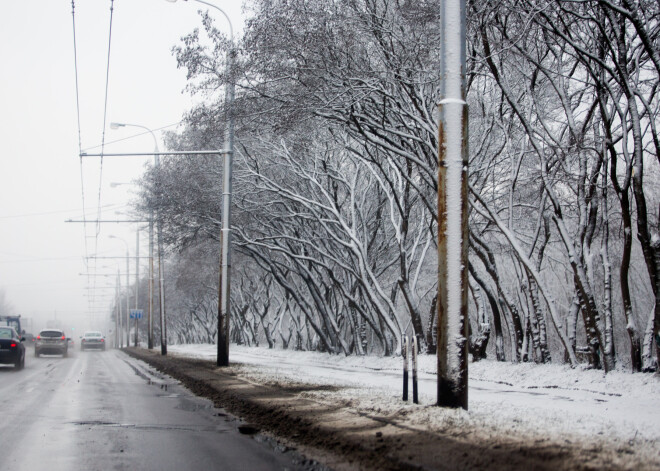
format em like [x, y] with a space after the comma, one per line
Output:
[51, 333]
[93, 334]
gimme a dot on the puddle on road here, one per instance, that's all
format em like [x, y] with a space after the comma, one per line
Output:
[185, 428]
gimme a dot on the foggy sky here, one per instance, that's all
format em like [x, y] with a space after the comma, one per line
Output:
[42, 180]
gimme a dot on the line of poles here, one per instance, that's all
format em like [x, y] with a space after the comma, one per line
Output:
[452, 351]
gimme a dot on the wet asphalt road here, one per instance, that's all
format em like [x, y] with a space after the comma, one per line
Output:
[108, 411]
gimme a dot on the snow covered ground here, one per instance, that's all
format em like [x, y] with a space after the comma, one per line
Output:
[547, 402]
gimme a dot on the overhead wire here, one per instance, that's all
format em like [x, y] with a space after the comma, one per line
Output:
[86, 219]
[105, 110]
[105, 114]
[82, 178]
[75, 66]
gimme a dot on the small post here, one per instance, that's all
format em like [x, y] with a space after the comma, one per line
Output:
[404, 354]
[414, 372]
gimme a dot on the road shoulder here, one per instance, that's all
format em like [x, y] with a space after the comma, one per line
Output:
[311, 419]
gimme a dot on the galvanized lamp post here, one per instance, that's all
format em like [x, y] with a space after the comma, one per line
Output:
[224, 286]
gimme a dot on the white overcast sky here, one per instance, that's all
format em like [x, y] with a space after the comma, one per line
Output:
[41, 176]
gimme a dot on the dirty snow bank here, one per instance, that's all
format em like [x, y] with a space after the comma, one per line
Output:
[546, 402]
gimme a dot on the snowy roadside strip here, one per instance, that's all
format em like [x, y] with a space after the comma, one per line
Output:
[351, 428]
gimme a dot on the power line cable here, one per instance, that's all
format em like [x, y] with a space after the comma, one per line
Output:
[58, 211]
[82, 183]
[82, 179]
[105, 114]
[105, 117]
[75, 66]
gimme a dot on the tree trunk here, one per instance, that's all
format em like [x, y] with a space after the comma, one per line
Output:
[431, 345]
[495, 310]
[415, 316]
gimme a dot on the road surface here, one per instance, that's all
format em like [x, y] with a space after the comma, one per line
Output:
[350, 428]
[106, 410]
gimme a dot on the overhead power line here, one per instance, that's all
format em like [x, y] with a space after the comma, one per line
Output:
[59, 211]
[75, 65]
[105, 112]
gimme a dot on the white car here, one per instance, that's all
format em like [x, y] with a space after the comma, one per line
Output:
[92, 339]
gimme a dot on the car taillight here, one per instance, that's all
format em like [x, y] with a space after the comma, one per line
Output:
[102, 340]
[13, 345]
[63, 337]
[82, 340]
[38, 337]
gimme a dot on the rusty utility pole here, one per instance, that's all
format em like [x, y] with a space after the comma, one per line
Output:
[452, 353]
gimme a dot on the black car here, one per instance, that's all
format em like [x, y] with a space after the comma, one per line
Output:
[12, 350]
[51, 342]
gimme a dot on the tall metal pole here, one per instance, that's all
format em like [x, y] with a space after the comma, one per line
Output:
[121, 322]
[137, 267]
[224, 299]
[117, 315]
[128, 309]
[137, 280]
[452, 353]
[161, 284]
[150, 323]
[224, 285]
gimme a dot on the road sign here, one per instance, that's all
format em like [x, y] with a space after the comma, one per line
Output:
[136, 313]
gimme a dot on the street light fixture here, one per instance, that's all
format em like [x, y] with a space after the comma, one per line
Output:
[161, 270]
[231, 28]
[224, 304]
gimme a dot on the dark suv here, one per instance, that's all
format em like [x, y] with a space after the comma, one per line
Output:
[51, 342]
